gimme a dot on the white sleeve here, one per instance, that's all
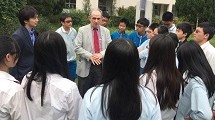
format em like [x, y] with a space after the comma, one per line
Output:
[156, 113]
[85, 113]
[74, 104]
[18, 109]
[153, 105]
[200, 107]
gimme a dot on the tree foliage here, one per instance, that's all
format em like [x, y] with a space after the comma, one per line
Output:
[128, 13]
[193, 10]
[48, 7]
[8, 18]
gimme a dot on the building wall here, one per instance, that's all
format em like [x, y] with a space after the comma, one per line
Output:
[164, 1]
[79, 4]
[137, 3]
[149, 7]
[126, 3]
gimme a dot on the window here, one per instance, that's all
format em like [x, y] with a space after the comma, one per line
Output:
[70, 4]
[103, 5]
[156, 9]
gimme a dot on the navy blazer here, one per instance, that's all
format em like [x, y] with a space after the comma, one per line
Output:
[25, 61]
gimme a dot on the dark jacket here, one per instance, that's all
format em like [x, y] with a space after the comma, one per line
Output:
[25, 61]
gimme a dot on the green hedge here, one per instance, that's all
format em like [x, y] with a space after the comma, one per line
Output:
[8, 20]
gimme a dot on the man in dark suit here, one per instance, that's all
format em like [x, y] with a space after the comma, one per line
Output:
[25, 37]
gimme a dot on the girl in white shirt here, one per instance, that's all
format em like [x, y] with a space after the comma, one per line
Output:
[50, 95]
[198, 97]
[119, 96]
[12, 103]
[161, 75]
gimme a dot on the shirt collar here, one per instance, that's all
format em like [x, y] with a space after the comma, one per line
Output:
[140, 35]
[65, 31]
[96, 27]
[6, 76]
[205, 44]
[121, 33]
[31, 31]
[172, 27]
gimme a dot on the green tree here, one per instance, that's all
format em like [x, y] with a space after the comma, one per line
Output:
[128, 13]
[8, 18]
[48, 7]
[196, 10]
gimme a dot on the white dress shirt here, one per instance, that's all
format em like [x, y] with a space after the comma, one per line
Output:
[194, 101]
[91, 105]
[209, 51]
[12, 104]
[172, 29]
[61, 99]
[168, 113]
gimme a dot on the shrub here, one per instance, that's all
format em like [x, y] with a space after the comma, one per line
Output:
[114, 21]
[44, 25]
[79, 17]
[128, 13]
[8, 20]
[48, 7]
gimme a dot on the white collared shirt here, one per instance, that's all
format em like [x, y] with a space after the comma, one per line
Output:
[12, 102]
[168, 113]
[91, 106]
[69, 38]
[61, 99]
[209, 51]
[172, 29]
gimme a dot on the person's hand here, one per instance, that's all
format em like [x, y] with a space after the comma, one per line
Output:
[213, 118]
[187, 118]
[98, 55]
[96, 58]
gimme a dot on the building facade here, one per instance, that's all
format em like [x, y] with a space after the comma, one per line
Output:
[104, 5]
[144, 8]
[150, 8]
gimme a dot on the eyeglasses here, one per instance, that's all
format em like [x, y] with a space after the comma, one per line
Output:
[138, 25]
[68, 21]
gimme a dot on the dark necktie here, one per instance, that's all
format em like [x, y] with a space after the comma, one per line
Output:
[96, 41]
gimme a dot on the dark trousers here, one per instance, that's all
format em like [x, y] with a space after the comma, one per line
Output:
[94, 78]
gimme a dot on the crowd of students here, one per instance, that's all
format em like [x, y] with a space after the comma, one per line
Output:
[154, 73]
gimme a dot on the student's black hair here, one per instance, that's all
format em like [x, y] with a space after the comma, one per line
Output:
[174, 38]
[208, 28]
[185, 28]
[167, 16]
[192, 60]
[50, 56]
[124, 20]
[153, 26]
[8, 46]
[64, 16]
[162, 59]
[120, 81]
[143, 21]
[26, 13]
[162, 29]
[105, 14]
